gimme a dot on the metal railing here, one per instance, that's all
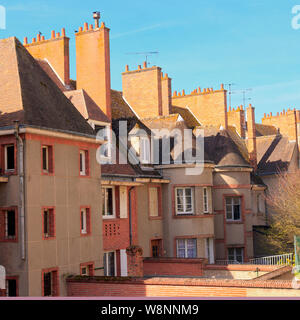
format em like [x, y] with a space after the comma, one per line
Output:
[281, 259]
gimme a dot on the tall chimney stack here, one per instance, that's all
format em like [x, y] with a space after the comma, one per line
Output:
[251, 136]
[93, 64]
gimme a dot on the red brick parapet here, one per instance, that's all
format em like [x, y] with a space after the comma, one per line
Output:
[271, 284]
[242, 267]
[135, 261]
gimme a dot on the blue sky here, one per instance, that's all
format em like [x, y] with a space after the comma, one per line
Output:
[200, 42]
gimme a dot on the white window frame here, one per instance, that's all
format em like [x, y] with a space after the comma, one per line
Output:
[232, 208]
[104, 204]
[106, 263]
[184, 212]
[235, 255]
[205, 200]
[83, 221]
[82, 160]
[145, 150]
[5, 158]
[186, 247]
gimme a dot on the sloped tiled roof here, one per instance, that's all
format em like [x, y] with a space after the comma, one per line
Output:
[274, 153]
[221, 148]
[28, 94]
[47, 68]
[119, 107]
[264, 130]
[86, 105]
[187, 115]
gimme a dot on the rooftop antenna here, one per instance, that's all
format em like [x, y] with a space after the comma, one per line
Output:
[244, 92]
[230, 92]
[96, 17]
[146, 54]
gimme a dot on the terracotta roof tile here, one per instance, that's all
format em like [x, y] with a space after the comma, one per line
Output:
[29, 95]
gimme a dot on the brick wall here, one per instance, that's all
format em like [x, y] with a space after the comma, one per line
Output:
[142, 89]
[236, 118]
[209, 106]
[55, 50]
[93, 64]
[173, 266]
[177, 287]
[285, 121]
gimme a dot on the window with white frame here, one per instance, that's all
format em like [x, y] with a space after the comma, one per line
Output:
[184, 201]
[205, 200]
[260, 203]
[186, 248]
[109, 262]
[84, 221]
[233, 208]
[9, 157]
[236, 254]
[84, 163]
[108, 202]
[145, 150]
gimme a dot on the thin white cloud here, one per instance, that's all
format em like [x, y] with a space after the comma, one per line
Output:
[152, 27]
[29, 7]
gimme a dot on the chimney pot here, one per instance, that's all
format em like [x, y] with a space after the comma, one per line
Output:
[52, 34]
[127, 68]
[63, 32]
[145, 65]
[85, 26]
[25, 40]
[33, 40]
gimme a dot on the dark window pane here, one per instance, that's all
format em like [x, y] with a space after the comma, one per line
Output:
[46, 222]
[81, 162]
[111, 263]
[45, 160]
[109, 201]
[10, 157]
[11, 224]
[47, 284]
[236, 212]
[11, 288]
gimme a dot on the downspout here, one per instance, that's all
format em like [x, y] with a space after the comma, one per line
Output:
[20, 153]
[130, 216]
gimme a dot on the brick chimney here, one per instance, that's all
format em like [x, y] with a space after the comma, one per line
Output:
[166, 91]
[135, 266]
[93, 64]
[142, 89]
[55, 50]
[251, 130]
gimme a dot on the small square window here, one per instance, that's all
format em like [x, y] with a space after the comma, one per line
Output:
[87, 269]
[233, 208]
[186, 248]
[8, 225]
[184, 201]
[108, 202]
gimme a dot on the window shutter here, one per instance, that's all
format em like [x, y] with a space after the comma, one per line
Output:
[2, 225]
[117, 201]
[87, 161]
[105, 263]
[51, 223]
[123, 202]
[50, 158]
[88, 220]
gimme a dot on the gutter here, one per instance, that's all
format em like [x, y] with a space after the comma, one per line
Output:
[130, 216]
[20, 155]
